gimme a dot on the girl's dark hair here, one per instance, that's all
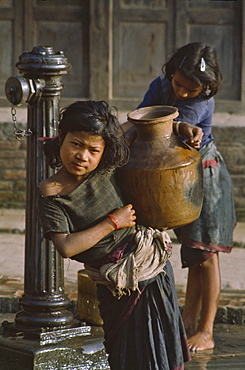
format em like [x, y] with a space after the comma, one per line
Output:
[198, 62]
[95, 118]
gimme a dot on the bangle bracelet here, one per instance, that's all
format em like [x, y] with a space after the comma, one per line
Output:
[114, 220]
[176, 128]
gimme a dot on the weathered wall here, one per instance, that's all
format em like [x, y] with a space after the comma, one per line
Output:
[228, 130]
[12, 168]
[229, 134]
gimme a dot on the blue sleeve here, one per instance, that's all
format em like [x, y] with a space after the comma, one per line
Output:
[155, 95]
[198, 112]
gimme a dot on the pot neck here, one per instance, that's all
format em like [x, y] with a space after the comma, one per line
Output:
[154, 130]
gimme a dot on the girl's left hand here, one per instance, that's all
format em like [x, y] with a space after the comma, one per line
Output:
[192, 134]
[129, 132]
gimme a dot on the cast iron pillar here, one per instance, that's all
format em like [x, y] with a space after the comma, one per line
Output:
[44, 334]
[43, 304]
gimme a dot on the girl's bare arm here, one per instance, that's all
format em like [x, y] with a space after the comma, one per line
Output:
[69, 245]
[193, 134]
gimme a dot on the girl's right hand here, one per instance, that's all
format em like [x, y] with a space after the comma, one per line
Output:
[125, 216]
[192, 133]
[69, 245]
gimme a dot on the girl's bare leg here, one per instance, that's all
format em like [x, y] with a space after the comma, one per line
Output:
[203, 338]
[193, 300]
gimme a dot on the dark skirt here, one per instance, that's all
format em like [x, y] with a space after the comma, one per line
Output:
[213, 230]
[145, 331]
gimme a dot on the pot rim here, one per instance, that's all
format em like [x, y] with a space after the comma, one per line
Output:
[136, 116]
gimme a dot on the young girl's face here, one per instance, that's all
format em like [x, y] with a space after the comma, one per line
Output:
[81, 153]
[185, 88]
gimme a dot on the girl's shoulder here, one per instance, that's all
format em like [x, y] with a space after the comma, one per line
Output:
[49, 187]
[157, 93]
[196, 111]
[200, 105]
[62, 184]
[161, 82]
[55, 184]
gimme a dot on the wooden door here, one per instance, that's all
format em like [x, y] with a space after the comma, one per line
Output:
[143, 33]
[220, 24]
[139, 36]
[28, 23]
[64, 27]
[117, 47]
[11, 41]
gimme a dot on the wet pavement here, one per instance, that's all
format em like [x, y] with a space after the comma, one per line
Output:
[229, 351]
[229, 329]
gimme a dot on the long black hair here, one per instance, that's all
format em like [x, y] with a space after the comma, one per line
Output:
[197, 62]
[95, 118]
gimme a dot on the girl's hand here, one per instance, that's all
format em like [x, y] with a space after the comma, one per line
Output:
[192, 134]
[71, 244]
[125, 216]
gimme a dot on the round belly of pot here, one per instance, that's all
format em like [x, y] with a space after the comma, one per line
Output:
[163, 178]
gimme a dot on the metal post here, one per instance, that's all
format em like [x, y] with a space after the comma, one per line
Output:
[44, 334]
[44, 304]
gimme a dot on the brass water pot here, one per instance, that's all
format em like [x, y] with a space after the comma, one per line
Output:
[163, 178]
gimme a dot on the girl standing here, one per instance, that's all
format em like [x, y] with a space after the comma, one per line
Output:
[82, 213]
[191, 78]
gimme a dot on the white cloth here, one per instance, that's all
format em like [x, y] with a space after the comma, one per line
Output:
[145, 262]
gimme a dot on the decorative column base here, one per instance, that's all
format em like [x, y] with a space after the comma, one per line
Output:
[77, 349]
[45, 336]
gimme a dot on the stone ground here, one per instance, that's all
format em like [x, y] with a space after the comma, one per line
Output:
[12, 225]
[229, 329]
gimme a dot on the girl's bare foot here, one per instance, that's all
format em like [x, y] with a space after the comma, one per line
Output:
[190, 331]
[190, 327]
[200, 341]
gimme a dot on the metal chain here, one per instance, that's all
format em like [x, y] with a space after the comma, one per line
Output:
[19, 133]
